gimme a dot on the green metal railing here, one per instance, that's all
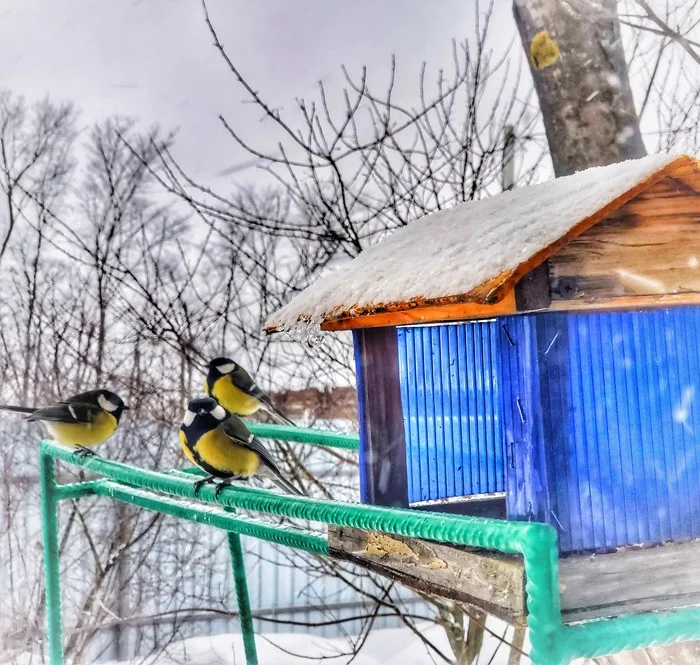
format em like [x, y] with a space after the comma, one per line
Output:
[172, 493]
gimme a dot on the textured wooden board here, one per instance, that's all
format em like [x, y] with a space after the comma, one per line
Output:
[591, 586]
[632, 580]
[649, 247]
[491, 582]
[626, 303]
[532, 292]
[426, 314]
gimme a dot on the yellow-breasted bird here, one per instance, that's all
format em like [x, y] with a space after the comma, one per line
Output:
[235, 390]
[83, 420]
[221, 445]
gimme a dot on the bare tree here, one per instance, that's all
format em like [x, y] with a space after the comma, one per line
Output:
[34, 144]
[342, 176]
[35, 164]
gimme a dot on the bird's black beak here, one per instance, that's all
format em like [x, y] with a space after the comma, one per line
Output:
[125, 408]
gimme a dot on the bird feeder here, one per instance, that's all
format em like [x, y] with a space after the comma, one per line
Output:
[535, 356]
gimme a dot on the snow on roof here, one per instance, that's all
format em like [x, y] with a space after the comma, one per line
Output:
[452, 252]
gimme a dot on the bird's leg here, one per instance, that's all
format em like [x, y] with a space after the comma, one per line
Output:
[224, 483]
[82, 451]
[227, 482]
[198, 485]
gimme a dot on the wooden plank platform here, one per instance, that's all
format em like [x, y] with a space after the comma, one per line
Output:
[630, 580]
[591, 586]
[489, 581]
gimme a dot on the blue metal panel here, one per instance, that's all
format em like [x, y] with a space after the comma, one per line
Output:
[526, 476]
[620, 421]
[451, 408]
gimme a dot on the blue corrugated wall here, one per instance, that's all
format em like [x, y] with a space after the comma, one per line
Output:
[526, 475]
[451, 409]
[601, 416]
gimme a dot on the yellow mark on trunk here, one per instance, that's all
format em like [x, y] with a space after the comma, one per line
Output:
[544, 51]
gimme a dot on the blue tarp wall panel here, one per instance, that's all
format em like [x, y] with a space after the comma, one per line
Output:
[451, 410]
[601, 426]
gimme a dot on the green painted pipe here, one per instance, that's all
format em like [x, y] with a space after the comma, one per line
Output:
[208, 515]
[305, 435]
[244, 612]
[500, 535]
[49, 523]
[553, 642]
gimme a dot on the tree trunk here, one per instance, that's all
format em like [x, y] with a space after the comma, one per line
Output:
[589, 115]
[584, 94]
[454, 617]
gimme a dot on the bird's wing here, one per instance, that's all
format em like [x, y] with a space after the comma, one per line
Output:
[279, 416]
[89, 397]
[65, 412]
[279, 480]
[236, 430]
[243, 381]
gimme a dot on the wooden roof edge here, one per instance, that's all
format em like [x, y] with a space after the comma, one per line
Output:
[487, 296]
[590, 221]
[426, 313]
[487, 301]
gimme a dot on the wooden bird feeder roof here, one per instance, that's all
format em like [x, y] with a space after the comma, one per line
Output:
[465, 262]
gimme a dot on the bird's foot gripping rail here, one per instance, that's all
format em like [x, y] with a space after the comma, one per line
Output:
[173, 493]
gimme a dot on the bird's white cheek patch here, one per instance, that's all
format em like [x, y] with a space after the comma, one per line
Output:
[219, 412]
[189, 418]
[226, 368]
[106, 404]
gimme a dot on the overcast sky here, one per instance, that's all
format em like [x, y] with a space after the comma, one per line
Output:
[154, 59]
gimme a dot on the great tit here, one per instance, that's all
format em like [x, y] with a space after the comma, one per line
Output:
[83, 420]
[221, 445]
[236, 391]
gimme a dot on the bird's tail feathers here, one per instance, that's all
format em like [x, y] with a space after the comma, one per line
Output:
[279, 417]
[17, 409]
[276, 477]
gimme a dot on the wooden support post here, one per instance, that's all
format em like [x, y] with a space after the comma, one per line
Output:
[383, 475]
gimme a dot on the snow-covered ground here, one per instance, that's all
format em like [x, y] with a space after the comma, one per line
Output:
[393, 646]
